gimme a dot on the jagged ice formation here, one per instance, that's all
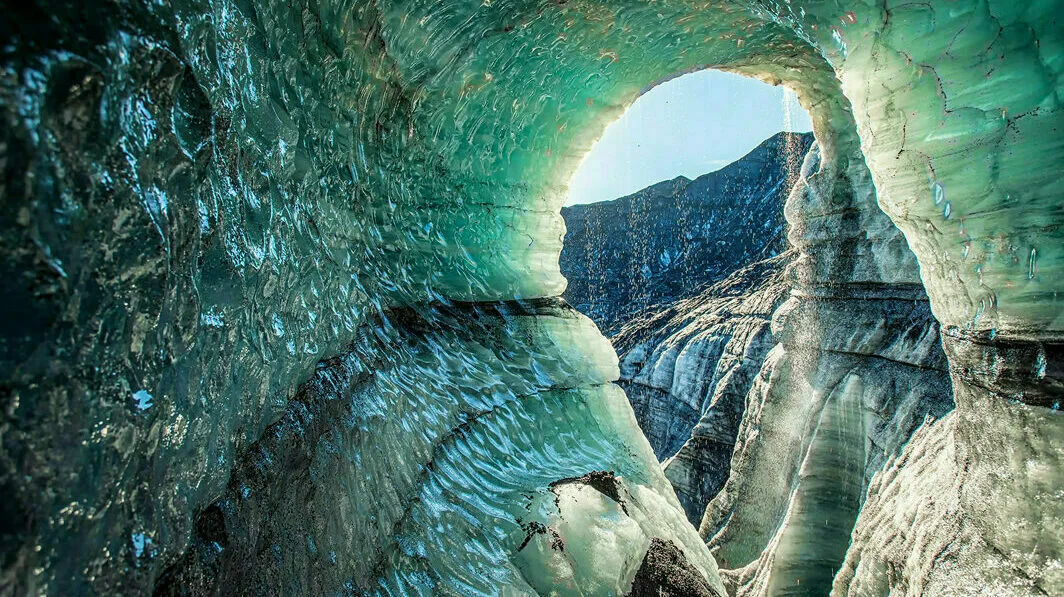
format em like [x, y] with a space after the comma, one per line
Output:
[280, 275]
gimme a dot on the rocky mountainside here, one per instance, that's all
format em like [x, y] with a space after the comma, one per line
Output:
[678, 236]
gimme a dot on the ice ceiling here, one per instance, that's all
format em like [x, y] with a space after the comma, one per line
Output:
[279, 282]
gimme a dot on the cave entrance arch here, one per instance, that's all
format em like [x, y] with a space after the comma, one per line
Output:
[685, 187]
[806, 353]
[681, 266]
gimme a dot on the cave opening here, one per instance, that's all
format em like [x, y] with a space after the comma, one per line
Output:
[676, 248]
[687, 186]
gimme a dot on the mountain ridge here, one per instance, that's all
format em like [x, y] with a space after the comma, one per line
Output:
[676, 237]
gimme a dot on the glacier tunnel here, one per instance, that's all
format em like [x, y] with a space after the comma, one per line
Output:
[282, 309]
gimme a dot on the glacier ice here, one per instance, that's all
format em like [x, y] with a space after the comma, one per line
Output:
[323, 237]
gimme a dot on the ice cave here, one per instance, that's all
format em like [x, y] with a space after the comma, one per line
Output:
[284, 314]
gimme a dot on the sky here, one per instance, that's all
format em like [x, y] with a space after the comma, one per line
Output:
[688, 126]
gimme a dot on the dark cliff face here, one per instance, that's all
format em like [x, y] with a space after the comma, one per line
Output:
[673, 239]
